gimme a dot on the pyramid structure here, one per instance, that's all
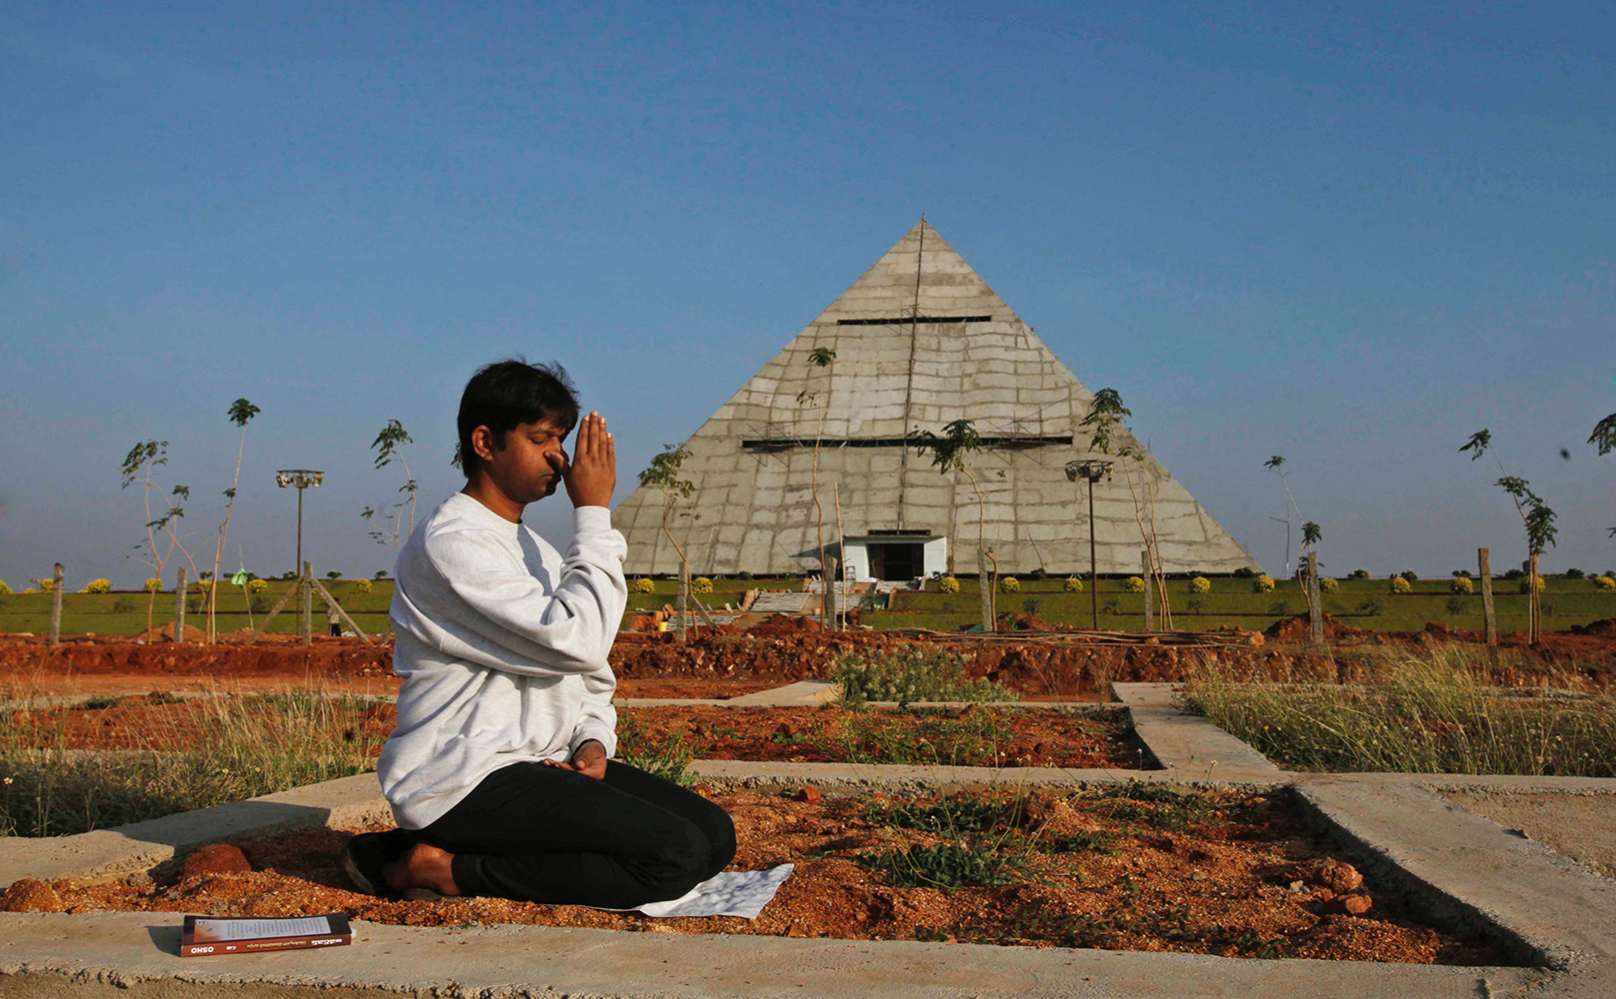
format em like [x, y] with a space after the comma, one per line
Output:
[919, 340]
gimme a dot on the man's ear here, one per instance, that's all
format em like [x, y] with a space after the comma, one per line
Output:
[482, 443]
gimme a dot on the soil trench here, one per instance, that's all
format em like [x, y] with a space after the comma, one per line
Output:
[725, 665]
[1210, 872]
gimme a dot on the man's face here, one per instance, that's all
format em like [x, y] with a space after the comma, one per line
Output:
[531, 464]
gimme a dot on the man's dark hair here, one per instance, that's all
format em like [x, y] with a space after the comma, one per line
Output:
[506, 393]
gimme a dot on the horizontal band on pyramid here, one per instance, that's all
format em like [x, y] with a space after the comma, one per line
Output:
[782, 443]
[907, 320]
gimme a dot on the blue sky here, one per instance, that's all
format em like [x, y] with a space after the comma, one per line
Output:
[1348, 235]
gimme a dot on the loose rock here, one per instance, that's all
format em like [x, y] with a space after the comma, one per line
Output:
[809, 794]
[1338, 877]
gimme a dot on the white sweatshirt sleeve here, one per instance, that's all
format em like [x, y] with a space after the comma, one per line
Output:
[500, 616]
[599, 720]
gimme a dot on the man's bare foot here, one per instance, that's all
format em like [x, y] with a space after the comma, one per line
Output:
[424, 866]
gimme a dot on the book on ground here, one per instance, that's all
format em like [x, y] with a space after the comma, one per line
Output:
[206, 935]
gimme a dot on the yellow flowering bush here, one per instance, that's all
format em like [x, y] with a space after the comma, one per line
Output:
[1009, 584]
[4, 589]
[204, 585]
[30, 590]
[1604, 584]
[1526, 585]
[1401, 585]
[701, 584]
[643, 585]
[361, 586]
[1462, 585]
[1134, 584]
[47, 585]
[152, 585]
[98, 586]
[1329, 585]
[1262, 584]
[949, 585]
[1073, 585]
[257, 586]
[1200, 584]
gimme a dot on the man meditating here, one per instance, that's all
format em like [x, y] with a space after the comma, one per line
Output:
[500, 771]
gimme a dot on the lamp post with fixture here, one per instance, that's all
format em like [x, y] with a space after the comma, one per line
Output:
[1091, 472]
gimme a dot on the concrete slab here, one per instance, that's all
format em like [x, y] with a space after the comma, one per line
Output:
[125, 951]
[804, 692]
[142, 845]
[1188, 744]
[1577, 826]
[1461, 866]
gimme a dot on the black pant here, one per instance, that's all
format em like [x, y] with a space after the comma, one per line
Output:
[542, 834]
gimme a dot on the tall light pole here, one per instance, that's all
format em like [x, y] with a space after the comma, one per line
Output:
[1092, 472]
[301, 478]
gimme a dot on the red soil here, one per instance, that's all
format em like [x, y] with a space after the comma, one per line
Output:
[1017, 738]
[1244, 878]
[786, 650]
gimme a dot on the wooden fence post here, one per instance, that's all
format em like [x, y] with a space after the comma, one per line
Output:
[1484, 558]
[684, 600]
[1533, 603]
[1150, 598]
[1315, 608]
[828, 604]
[58, 584]
[331, 602]
[179, 604]
[305, 605]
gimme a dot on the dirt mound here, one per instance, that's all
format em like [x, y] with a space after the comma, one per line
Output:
[166, 634]
[215, 858]
[1300, 629]
[1012, 621]
[785, 624]
[1605, 628]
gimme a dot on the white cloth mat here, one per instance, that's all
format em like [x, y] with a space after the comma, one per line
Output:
[732, 893]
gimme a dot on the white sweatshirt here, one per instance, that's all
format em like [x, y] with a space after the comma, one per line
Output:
[502, 646]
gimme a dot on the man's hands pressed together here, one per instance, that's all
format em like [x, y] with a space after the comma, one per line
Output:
[592, 475]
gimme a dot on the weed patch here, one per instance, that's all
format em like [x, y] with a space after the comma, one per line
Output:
[911, 673]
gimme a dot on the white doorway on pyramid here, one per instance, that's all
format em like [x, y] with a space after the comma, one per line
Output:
[919, 340]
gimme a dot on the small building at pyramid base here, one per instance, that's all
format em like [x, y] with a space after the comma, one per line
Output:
[810, 455]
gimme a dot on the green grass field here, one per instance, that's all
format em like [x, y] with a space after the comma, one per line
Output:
[1366, 603]
[1359, 603]
[124, 613]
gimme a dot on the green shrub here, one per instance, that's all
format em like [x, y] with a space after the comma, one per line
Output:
[1200, 584]
[1359, 574]
[643, 585]
[1134, 584]
[1369, 608]
[1072, 585]
[1573, 574]
[1462, 586]
[946, 866]
[667, 758]
[1455, 604]
[910, 673]
[1400, 585]
[123, 605]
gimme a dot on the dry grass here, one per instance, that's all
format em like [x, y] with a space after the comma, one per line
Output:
[1430, 711]
[257, 744]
